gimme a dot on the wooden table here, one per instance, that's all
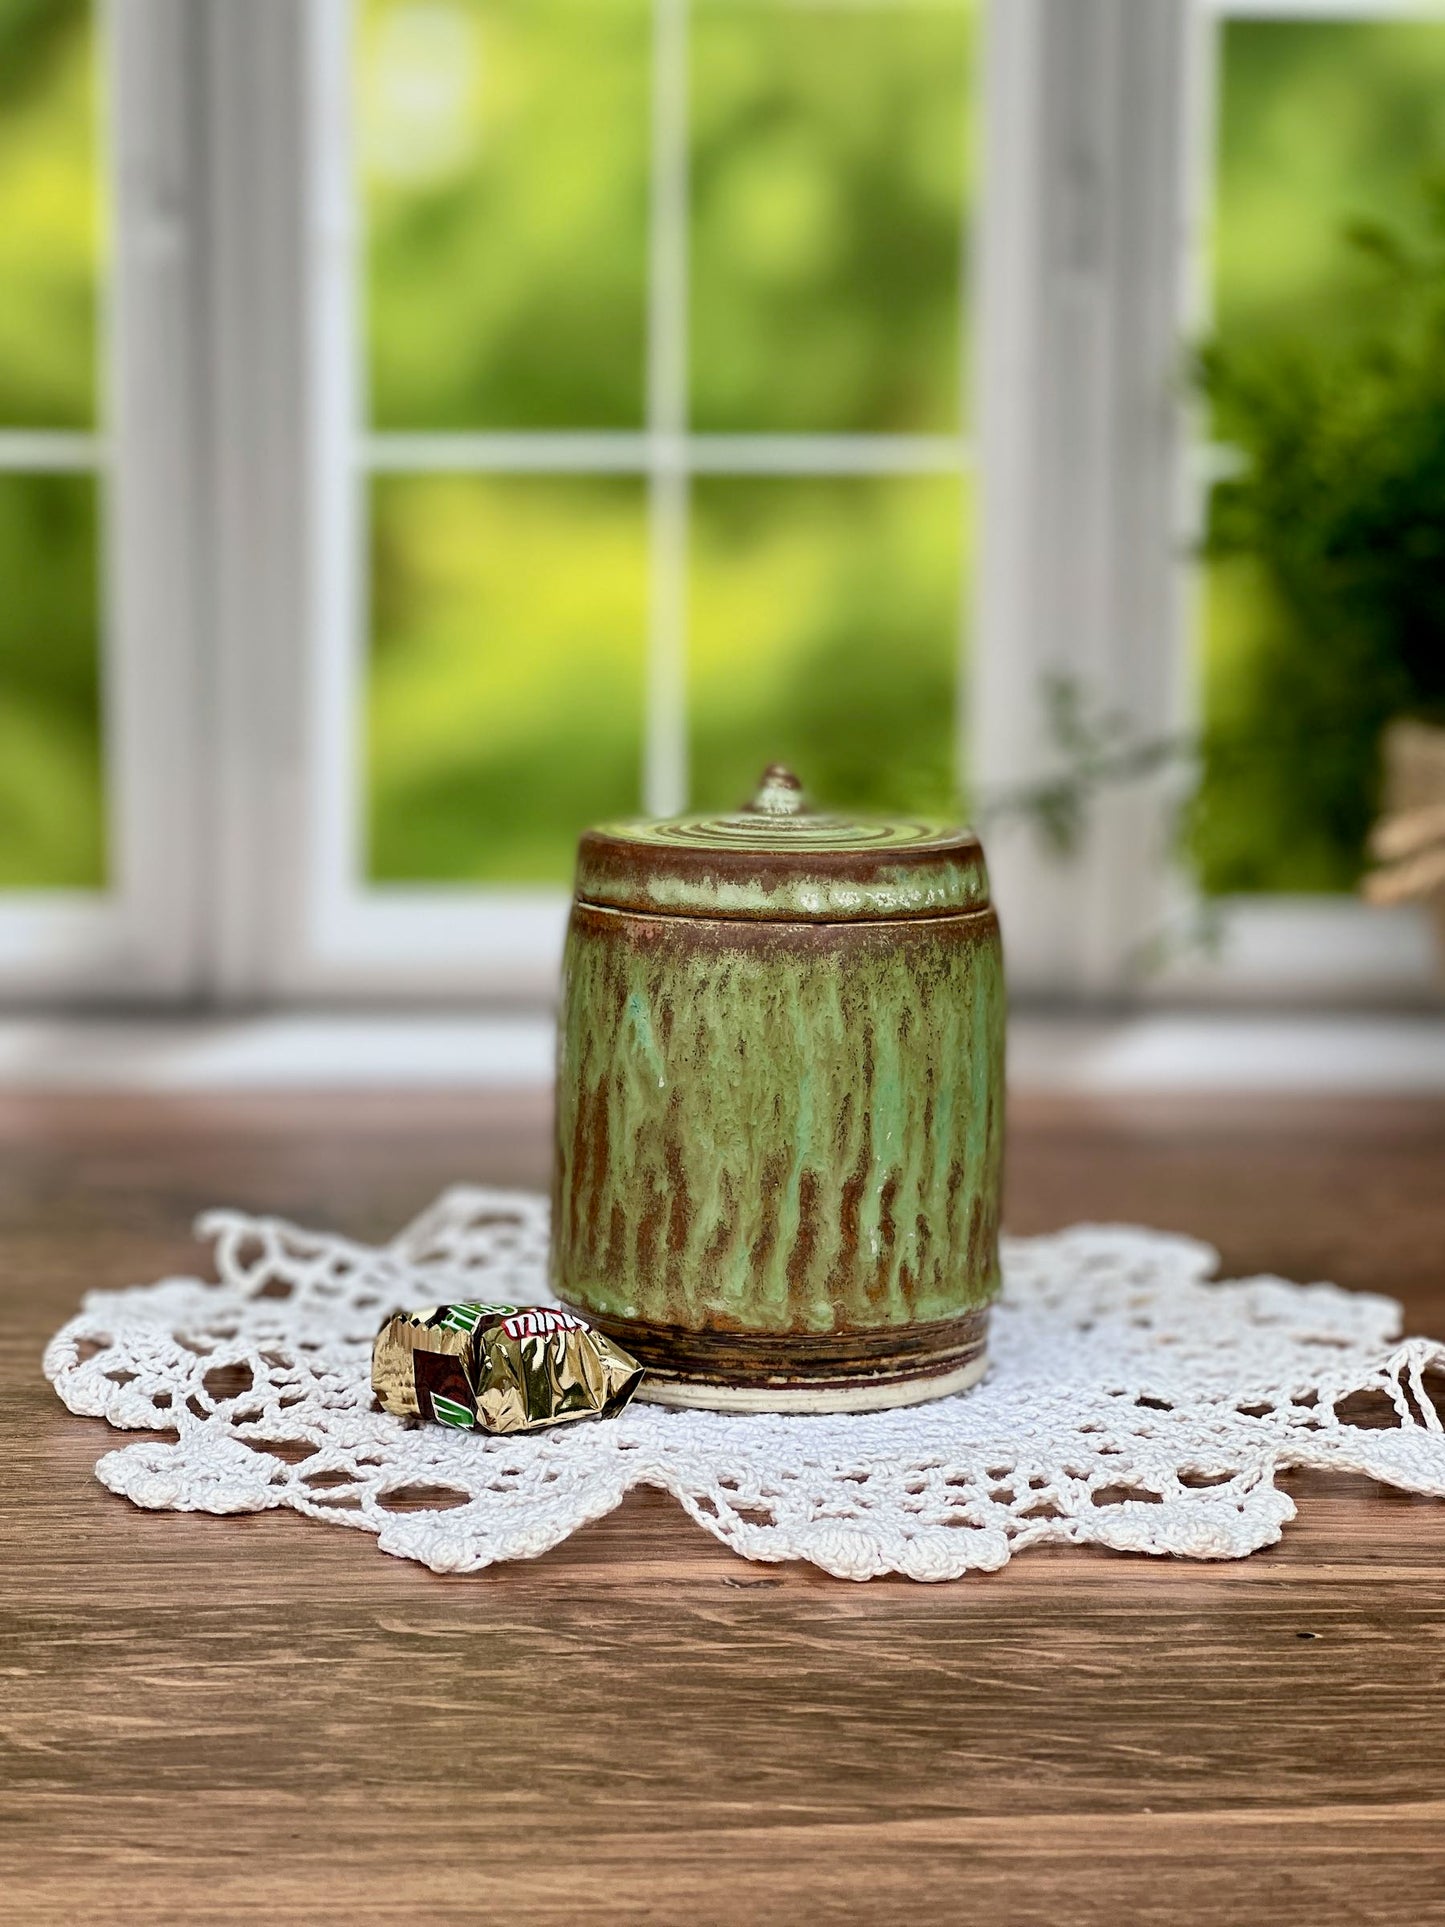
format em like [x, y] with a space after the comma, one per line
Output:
[261, 1719]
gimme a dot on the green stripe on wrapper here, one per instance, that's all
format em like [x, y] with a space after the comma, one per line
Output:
[447, 1412]
[466, 1316]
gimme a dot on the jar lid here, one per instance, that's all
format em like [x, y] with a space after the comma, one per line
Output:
[778, 858]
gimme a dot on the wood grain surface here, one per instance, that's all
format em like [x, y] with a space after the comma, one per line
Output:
[261, 1719]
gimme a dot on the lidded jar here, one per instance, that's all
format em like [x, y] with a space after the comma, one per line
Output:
[780, 1105]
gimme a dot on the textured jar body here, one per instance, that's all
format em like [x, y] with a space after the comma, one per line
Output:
[779, 1143]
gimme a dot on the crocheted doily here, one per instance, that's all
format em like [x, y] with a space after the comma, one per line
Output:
[1130, 1404]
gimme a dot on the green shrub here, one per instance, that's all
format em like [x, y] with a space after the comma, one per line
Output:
[1334, 528]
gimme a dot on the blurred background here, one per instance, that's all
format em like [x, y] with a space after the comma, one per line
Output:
[428, 426]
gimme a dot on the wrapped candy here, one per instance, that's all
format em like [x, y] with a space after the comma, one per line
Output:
[499, 1368]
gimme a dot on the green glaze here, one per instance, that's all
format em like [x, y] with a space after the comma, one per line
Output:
[773, 1127]
[808, 866]
[895, 890]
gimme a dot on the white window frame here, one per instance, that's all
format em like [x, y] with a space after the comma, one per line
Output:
[236, 515]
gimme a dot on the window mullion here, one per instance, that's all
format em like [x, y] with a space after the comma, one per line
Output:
[1085, 242]
[259, 438]
[150, 531]
[665, 780]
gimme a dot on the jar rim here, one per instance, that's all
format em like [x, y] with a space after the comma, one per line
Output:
[778, 858]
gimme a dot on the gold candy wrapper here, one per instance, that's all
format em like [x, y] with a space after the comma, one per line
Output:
[499, 1368]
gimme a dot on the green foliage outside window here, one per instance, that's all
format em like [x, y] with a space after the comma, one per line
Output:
[1339, 517]
[507, 679]
[51, 809]
[825, 630]
[832, 164]
[502, 156]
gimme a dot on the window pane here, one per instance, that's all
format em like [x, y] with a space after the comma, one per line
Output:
[1321, 124]
[506, 689]
[826, 621]
[1328, 617]
[503, 147]
[830, 174]
[49, 215]
[51, 821]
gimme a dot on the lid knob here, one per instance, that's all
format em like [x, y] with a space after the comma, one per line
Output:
[779, 793]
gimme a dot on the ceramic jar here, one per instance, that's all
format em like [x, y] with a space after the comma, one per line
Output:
[780, 1105]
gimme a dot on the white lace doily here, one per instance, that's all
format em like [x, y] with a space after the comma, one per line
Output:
[1130, 1404]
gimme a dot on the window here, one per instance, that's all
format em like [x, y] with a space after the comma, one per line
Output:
[663, 377]
[429, 425]
[1323, 125]
[1327, 121]
[95, 671]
